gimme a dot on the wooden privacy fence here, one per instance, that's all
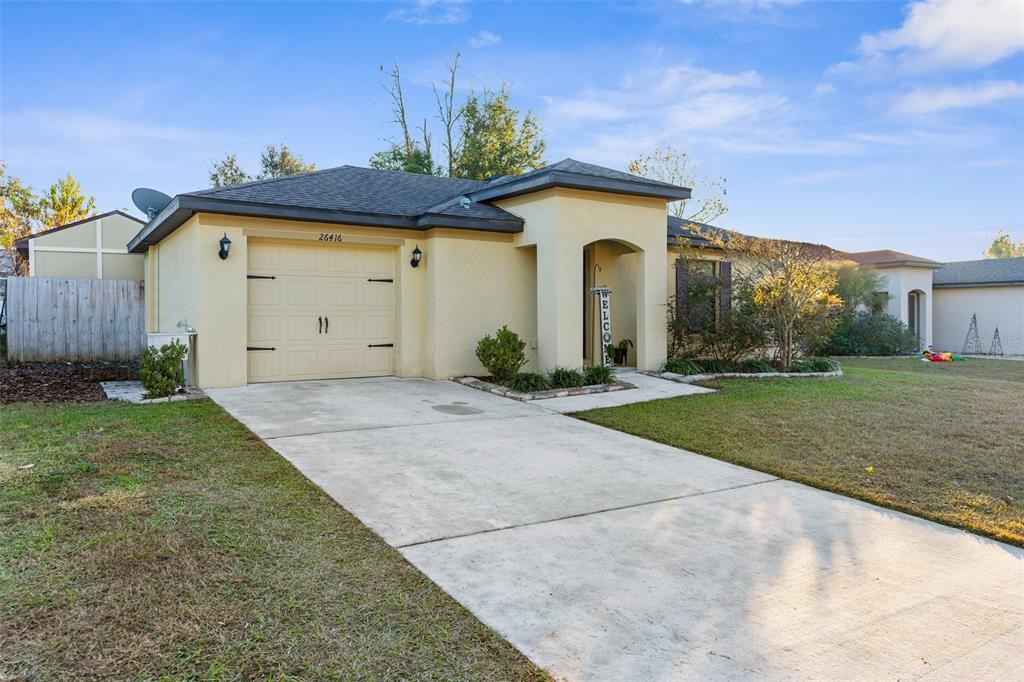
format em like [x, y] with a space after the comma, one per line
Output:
[74, 319]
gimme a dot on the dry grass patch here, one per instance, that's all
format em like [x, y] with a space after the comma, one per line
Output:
[167, 542]
[942, 441]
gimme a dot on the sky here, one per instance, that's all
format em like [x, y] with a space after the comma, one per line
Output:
[861, 125]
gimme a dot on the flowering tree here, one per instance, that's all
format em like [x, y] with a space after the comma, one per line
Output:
[793, 285]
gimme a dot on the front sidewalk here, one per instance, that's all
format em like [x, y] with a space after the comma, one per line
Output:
[605, 556]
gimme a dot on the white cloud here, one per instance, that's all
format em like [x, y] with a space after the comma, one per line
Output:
[425, 12]
[938, 34]
[930, 100]
[485, 39]
[822, 89]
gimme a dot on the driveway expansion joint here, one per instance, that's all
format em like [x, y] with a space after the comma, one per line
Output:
[585, 514]
[382, 427]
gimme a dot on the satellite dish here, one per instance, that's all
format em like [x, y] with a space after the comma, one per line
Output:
[150, 201]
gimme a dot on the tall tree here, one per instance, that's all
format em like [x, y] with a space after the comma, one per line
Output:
[496, 140]
[227, 172]
[407, 154]
[65, 203]
[678, 168]
[19, 209]
[449, 113]
[275, 162]
[1003, 246]
[483, 136]
[279, 162]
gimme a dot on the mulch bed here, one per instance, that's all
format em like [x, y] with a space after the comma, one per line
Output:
[60, 382]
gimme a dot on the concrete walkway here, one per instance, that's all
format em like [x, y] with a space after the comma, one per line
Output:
[603, 556]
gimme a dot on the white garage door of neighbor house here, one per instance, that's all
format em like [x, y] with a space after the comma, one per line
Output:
[319, 311]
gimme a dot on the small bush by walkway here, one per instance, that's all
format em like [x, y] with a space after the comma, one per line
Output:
[940, 440]
[167, 542]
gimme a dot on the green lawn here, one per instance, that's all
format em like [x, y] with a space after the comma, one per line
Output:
[942, 441]
[168, 542]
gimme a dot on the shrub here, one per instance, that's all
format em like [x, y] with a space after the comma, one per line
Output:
[161, 370]
[814, 365]
[713, 366]
[564, 377]
[598, 374]
[528, 382]
[752, 366]
[503, 355]
[682, 366]
[870, 333]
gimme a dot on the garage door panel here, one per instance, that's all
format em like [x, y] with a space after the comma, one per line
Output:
[343, 327]
[299, 292]
[341, 261]
[376, 294]
[264, 331]
[342, 292]
[376, 261]
[377, 328]
[377, 360]
[264, 292]
[314, 281]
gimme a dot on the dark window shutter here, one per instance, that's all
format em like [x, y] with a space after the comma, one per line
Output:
[681, 287]
[725, 302]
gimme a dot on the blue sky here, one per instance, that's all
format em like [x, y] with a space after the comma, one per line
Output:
[860, 125]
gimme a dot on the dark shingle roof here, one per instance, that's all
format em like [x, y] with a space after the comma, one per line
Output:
[366, 196]
[887, 257]
[363, 190]
[690, 231]
[991, 271]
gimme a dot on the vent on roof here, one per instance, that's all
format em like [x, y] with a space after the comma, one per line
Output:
[464, 202]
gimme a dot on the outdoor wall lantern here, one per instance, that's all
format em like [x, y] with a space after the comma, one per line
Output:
[225, 246]
[417, 255]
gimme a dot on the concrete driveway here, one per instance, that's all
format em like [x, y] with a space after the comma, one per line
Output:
[603, 556]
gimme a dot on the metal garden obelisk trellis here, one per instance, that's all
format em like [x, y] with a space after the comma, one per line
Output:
[604, 307]
[972, 342]
[997, 344]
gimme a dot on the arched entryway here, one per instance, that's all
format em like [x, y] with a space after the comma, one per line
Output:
[615, 265]
[916, 312]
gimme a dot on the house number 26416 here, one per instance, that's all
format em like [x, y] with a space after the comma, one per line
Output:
[325, 237]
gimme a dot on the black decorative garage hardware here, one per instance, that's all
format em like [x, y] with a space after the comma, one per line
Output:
[259, 348]
[260, 277]
[380, 345]
[379, 280]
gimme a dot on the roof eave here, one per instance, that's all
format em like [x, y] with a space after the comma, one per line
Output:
[184, 206]
[591, 183]
[966, 285]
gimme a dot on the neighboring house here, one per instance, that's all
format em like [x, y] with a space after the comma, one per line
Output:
[349, 271]
[908, 282]
[993, 290]
[93, 248]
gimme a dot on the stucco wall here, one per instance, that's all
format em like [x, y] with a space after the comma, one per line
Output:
[899, 282]
[94, 249]
[994, 306]
[559, 224]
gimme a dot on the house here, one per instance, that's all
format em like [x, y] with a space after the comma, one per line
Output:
[351, 272]
[937, 300]
[993, 291]
[93, 248]
[908, 288]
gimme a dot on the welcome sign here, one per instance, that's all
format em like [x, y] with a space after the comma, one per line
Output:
[605, 320]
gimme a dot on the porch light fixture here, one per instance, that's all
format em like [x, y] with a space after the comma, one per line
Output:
[225, 246]
[417, 255]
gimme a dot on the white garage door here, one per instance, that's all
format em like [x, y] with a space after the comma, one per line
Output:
[319, 311]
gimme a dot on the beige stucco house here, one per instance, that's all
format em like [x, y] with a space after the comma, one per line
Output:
[93, 248]
[350, 272]
[992, 290]
[908, 288]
